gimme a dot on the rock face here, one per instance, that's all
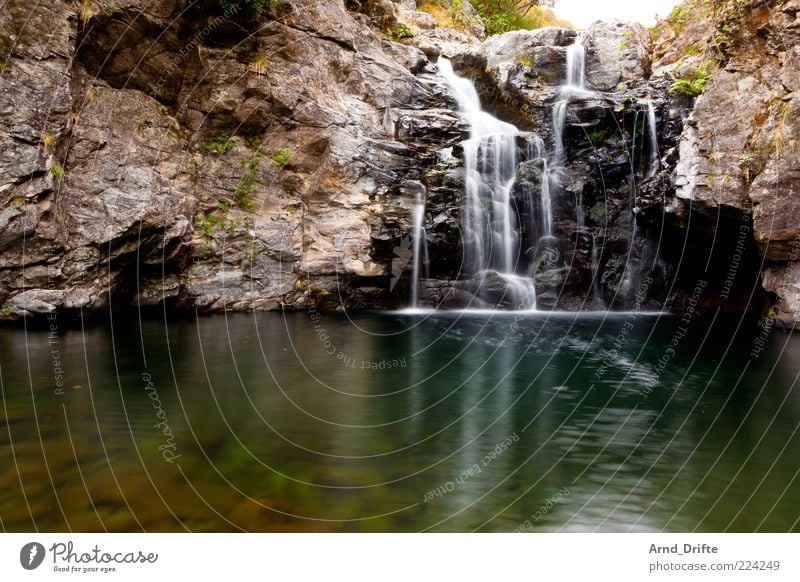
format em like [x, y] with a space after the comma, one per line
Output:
[597, 252]
[208, 156]
[737, 153]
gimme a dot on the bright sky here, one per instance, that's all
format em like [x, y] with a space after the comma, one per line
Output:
[581, 13]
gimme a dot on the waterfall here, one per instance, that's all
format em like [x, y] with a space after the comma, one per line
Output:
[536, 152]
[576, 64]
[575, 82]
[652, 141]
[636, 255]
[596, 292]
[546, 202]
[559, 119]
[492, 240]
[651, 129]
[633, 158]
[419, 249]
[503, 259]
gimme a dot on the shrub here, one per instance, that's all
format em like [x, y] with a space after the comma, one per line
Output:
[598, 136]
[57, 171]
[259, 64]
[221, 144]
[501, 16]
[692, 84]
[282, 157]
[254, 7]
[524, 60]
[400, 30]
[244, 191]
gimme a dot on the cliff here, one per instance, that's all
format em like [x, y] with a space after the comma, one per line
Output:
[205, 154]
[231, 155]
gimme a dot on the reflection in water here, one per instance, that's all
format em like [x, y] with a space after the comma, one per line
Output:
[391, 422]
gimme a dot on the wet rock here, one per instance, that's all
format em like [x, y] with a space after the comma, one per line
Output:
[784, 282]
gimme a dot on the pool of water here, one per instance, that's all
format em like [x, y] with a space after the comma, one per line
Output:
[400, 422]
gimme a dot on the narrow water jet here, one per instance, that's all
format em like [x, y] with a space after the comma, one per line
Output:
[419, 240]
[652, 141]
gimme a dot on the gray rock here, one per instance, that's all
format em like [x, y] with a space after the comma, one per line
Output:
[618, 55]
[784, 282]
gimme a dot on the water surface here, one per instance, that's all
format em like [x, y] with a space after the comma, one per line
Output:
[400, 422]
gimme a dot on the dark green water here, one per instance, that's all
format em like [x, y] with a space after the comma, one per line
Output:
[485, 423]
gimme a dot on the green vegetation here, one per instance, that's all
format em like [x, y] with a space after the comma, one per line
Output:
[259, 64]
[221, 144]
[746, 164]
[498, 16]
[400, 31]
[4, 65]
[524, 60]
[501, 16]
[283, 157]
[689, 11]
[598, 136]
[208, 223]
[691, 84]
[251, 250]
[253, 7]
[57, 171]
[243, 195]
[449, 14]
[692, 51]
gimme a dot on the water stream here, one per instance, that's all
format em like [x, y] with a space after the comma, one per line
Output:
[491, 229]
[419, 240]
[500, 251]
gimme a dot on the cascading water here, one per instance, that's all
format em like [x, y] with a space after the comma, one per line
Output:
[419, 238]
[576, 64]
[559, 119]
[574, 83]
[596, 292]
[537, 153]
[652, 141]
[505, 257]
[644, 124]
[490, 166]
[546, 201]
